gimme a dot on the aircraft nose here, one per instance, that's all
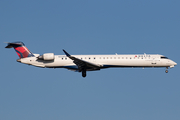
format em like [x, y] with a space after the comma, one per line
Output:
[175, 63]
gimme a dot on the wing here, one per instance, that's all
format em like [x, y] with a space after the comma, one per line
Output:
[82, 64]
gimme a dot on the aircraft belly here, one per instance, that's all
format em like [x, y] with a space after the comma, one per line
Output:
[129, 63]
[59, 64]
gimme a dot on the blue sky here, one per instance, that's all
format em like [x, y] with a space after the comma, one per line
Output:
[90, 27]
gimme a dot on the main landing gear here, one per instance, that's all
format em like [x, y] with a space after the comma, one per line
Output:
[166, 70]
[83, 73]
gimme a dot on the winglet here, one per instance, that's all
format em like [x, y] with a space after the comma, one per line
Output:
[67, 54]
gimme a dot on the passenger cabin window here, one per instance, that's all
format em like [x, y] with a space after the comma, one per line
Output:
[163, 57]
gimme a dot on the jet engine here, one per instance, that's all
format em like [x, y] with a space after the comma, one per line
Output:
[47, 56]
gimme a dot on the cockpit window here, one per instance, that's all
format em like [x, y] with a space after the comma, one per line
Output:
[163, 57]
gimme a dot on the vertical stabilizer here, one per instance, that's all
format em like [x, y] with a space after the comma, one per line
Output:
[20, 49]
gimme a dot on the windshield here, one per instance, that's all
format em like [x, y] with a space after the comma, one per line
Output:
[163, 57]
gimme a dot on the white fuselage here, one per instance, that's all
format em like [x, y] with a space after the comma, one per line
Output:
[83, 63]
[104, 61]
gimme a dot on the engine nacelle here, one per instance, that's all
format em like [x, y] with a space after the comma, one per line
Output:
[48, 56]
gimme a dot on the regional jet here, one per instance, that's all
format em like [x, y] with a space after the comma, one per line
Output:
[84, 63]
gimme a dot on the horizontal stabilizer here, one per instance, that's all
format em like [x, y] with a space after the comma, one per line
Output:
[15, 44]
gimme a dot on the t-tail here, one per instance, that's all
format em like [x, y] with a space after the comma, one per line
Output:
[20, 49]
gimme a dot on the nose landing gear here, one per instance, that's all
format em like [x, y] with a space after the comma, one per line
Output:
[166, 70]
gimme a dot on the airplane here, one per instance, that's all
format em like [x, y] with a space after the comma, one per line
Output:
[84, 63]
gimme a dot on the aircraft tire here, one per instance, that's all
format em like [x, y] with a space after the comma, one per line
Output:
[84, 73]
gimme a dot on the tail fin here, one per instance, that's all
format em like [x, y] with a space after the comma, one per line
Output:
[20, 49]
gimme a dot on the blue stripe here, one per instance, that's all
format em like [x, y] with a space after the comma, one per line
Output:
[20, 53]
[30, 55]
[72, 67]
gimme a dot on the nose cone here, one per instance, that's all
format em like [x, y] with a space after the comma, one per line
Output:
[175, 63]
[172, 64]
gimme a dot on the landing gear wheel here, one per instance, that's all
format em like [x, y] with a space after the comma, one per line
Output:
[84, 73]
[166, 71]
